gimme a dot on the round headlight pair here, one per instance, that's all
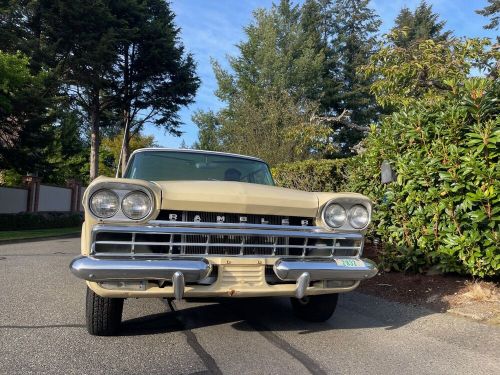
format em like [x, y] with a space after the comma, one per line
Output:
[136, 205]
[335, 216]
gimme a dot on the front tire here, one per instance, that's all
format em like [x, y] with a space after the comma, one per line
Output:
[318, 308]
[104, 315]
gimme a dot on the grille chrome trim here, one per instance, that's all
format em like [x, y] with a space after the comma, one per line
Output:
[196, 224]
[222, 239]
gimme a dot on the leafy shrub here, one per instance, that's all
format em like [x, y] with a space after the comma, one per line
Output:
[311, 175]
[444, 208]
[40, 220]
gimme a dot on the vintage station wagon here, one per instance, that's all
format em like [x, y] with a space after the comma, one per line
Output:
[190, 223]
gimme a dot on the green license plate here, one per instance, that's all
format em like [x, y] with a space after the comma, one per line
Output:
[350, 262]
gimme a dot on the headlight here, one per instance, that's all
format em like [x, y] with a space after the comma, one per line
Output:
[359, 216]
[334, 215]
[104, 203]
[136, 205]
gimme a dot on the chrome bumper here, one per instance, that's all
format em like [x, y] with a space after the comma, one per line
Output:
[305, 271]
[292, 269]
[99, 269]
[180, 271]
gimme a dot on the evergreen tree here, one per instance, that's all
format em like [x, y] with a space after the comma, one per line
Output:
[277, 55]
[208, 131]
[154, 76]
[493, 11]
[354, 28]
[420, 24]
[316, 21]
[274, 83]
[68, 155]
[25, 130]
[88, 33]
[76, 41]
[116, 62]
[33, 104]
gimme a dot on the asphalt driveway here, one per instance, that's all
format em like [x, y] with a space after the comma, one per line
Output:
[42, 331]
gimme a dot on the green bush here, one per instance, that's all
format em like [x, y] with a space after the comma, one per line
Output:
[444, 208]
[311, 175]
[40, 220]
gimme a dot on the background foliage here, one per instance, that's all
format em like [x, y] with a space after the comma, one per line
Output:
[312, 175]
[444, 142]
[40, 220]
[295, 64]
[106, 63]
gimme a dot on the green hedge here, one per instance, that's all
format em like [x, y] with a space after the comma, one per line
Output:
[444, 208]
[311, 175]
[40, 220]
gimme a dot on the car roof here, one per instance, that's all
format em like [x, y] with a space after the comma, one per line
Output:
[188, 150]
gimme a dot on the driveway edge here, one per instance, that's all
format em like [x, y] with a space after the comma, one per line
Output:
[37, 239]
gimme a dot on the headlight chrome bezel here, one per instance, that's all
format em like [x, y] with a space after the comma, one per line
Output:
[347, 203]
[121, 190]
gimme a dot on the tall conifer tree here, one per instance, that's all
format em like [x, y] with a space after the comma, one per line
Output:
[420, 24]
[354, 37]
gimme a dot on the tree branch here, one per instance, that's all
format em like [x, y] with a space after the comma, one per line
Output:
[342, 119]
[424, 81]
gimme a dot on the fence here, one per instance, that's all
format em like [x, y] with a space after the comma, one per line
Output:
[35, 196]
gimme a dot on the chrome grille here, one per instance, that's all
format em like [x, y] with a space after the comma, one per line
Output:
[182, 238]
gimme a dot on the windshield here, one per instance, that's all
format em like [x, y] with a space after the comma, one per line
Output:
[185, 165]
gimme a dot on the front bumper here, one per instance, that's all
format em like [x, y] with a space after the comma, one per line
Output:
[195, 270]
[182, 271]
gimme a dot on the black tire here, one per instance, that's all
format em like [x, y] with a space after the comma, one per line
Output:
[315, 308]
[104, 315]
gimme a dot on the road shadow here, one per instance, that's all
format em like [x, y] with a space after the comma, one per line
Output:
[354, 311]
[42, 326]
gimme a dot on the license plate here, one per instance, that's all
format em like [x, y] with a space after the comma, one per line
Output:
[350, 262]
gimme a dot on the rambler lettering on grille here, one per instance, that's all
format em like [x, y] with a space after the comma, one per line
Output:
[232, 218]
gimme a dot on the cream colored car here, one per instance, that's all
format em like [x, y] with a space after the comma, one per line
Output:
[189, 223]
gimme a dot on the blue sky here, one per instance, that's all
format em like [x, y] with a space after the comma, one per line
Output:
[212, 28]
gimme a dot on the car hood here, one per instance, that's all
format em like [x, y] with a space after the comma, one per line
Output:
[236, 197]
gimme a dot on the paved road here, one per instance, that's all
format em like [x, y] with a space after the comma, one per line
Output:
[42, 331]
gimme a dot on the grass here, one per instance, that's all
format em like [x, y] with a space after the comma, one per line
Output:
[36, 233]
[479, 291]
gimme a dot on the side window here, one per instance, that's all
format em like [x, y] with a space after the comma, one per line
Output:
[259, 176]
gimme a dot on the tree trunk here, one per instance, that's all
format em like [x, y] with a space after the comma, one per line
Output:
[126, 109]
[95, 139]
[126, 141]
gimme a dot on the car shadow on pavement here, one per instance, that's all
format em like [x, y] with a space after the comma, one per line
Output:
[42, 326]
[354, 311]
